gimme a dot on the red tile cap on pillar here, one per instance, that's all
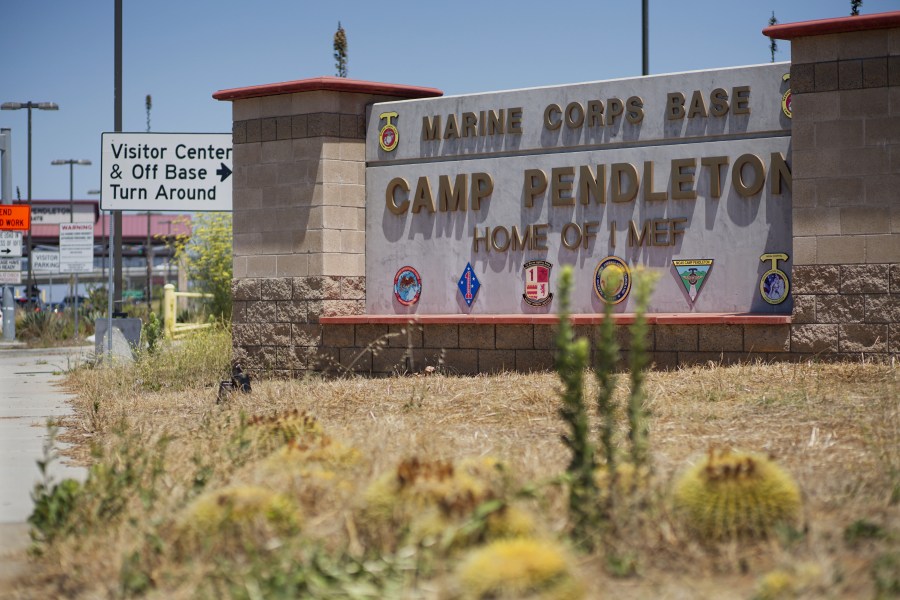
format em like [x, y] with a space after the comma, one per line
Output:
[789, 31]
[328, 84]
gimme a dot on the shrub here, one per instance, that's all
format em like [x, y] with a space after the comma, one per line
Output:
[736, 494]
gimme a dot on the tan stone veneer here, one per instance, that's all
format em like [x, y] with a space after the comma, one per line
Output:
[845, 81]
[299, 213]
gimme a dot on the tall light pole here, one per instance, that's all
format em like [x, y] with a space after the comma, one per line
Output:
[72, 162]
[40, 106]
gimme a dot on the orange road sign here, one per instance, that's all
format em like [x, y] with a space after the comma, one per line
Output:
[15, 217]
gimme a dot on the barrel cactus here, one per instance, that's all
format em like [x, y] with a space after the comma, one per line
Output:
[235, 517]
[736, 494]
[272, 432]
[520, 568]
[456, 503]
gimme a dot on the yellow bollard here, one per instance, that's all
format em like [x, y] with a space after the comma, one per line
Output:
[169, 310]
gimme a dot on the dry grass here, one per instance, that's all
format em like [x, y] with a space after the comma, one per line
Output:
[835, 427]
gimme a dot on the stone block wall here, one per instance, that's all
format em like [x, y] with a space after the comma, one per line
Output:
[467, 349]
[299, 218]
[845, 84]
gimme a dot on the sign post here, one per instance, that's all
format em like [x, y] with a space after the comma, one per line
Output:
[10, 244]
[76, 253]
[45, 261]
[10, 271]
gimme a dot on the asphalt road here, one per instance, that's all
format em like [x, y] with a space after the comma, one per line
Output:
[28, 397]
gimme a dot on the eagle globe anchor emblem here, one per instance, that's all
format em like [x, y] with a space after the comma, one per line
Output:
[389, 136]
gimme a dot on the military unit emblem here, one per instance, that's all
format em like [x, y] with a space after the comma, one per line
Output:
[537, 283]
[612, 280]
[774, 284]
[388, 137]
[693, 273]
[786, 98]
[407, 286]
[468, 285]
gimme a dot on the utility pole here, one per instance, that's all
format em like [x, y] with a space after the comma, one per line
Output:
[9, 307]
[148, 253]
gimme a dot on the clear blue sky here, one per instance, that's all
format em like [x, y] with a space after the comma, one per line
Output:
[181, 52]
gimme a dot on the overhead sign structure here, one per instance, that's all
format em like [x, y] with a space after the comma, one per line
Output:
[76, 248]
[166, 171]
[45, 261]
[10, 271]
[10, 244]
[15, 217]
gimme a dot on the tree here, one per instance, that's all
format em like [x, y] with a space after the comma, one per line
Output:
[773, 45]
[205, 255]
[854, 7]
[340, 51]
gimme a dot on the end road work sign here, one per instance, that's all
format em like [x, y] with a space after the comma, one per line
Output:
[166, 171]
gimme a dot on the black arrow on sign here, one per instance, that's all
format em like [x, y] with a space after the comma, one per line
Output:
[6, 251]
[224, 172]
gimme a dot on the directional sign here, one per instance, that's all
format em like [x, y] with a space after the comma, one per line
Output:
[10, 271]
[45, 261]
[59, 212]
[166, 171]
[76, 248]
[15, 217]
[10, 244]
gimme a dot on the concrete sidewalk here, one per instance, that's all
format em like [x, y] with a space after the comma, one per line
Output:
[28, 397]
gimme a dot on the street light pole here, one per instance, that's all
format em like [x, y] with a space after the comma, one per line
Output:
[72, 162]
[40, 106]
[105, 253]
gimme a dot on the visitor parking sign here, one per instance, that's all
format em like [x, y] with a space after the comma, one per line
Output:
[166, 171]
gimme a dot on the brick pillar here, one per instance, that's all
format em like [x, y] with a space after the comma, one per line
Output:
[845, 82]
[299, 214]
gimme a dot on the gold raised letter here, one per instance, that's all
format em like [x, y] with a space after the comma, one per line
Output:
[423, 198]
[574, 115]
[613, 109]
[681, 177]
[778, 172]
[452, 197]
[552, 122]
[698, 105]
[715, 180]
[535, 185]
[589, 185]
[452, 130]
[737, 175]
[431, 128]
[397, 209]
[620, 192]
[470, 124]
[634, 110]
[649, 194]
[675, 106]
[595, 113]
[741, 100]
[561, 191]
[718, 106]
[514, 120]
[482, 187]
